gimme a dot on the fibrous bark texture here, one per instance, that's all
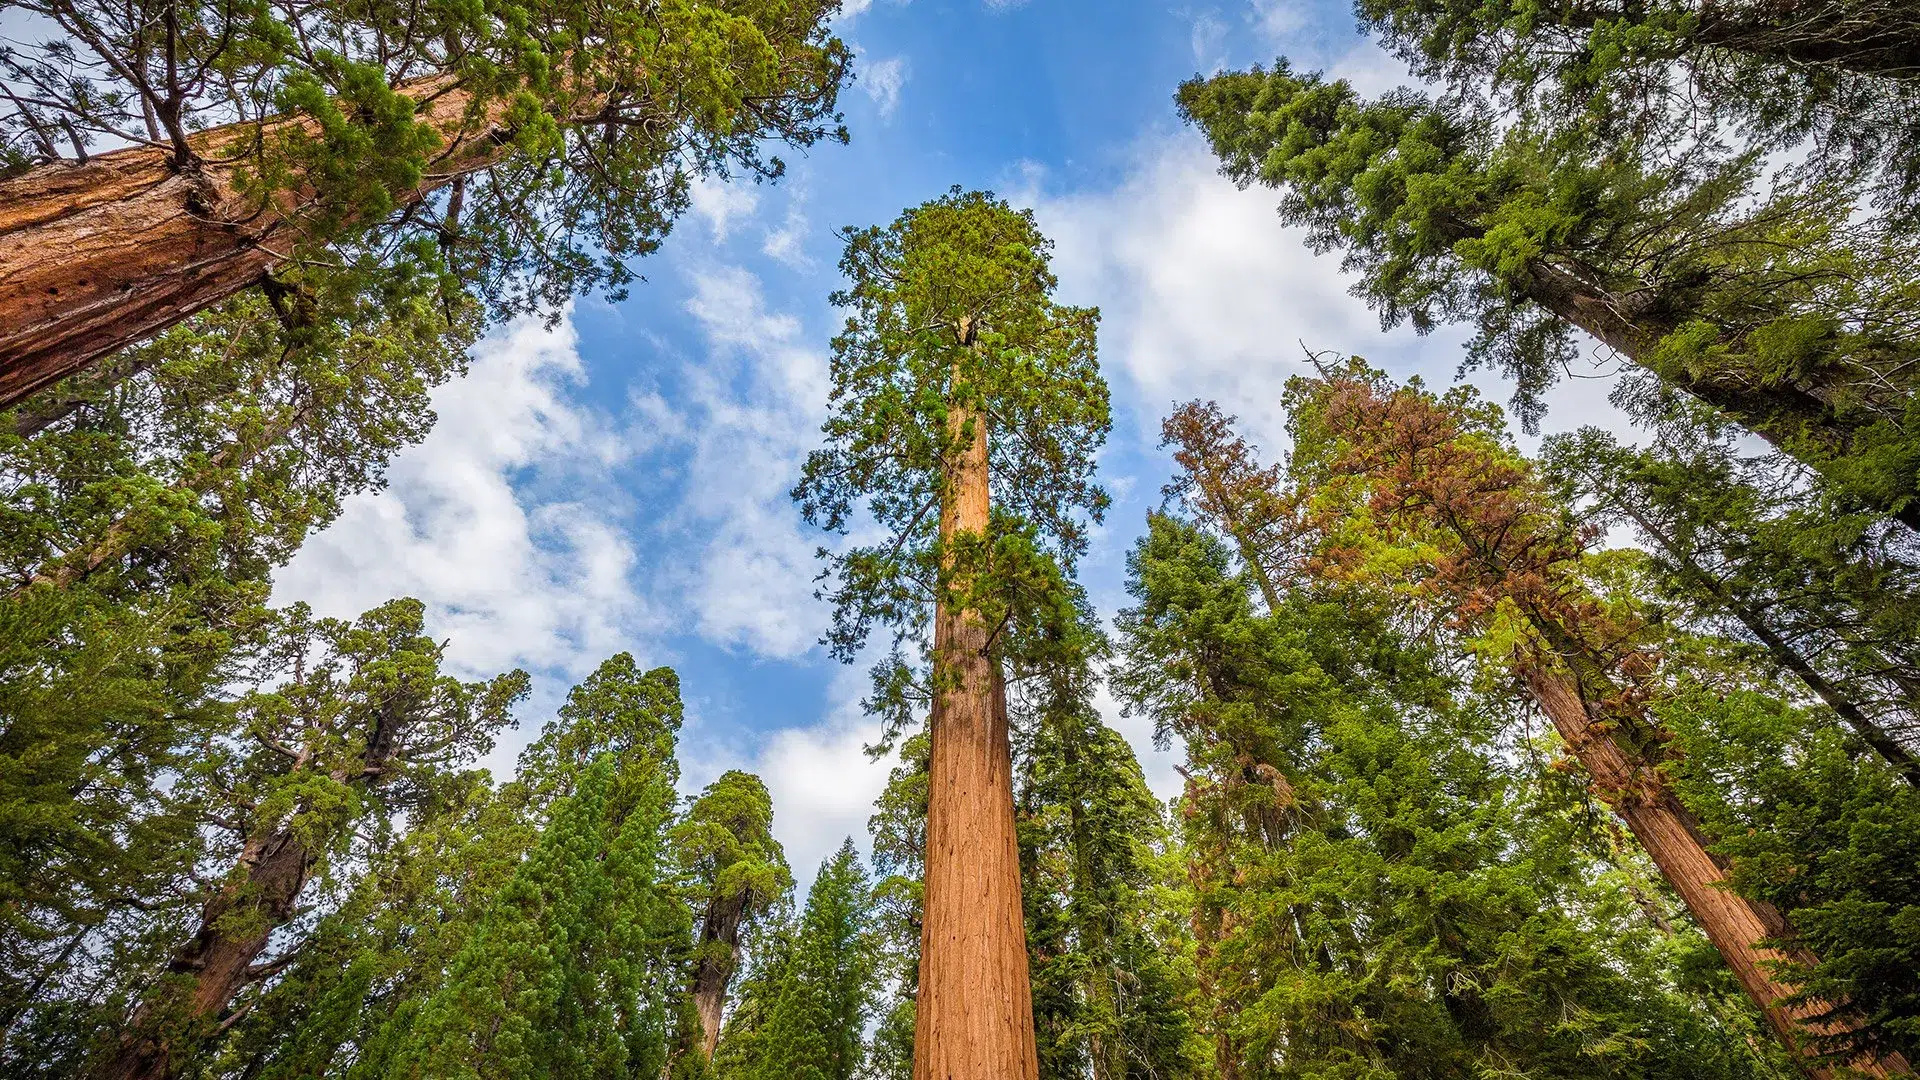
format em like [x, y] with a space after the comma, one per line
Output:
[1673, 840]
[102, 253]
[974, 1018]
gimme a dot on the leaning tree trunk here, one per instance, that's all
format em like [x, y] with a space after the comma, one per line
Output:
[172, 1025]
[1672, 838]
[975, 1007]
[99, 254]
[167, 1031]
[1802, 421]
[1880, 38]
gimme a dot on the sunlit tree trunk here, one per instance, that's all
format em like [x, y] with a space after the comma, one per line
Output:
[975, 1005]
[100, 254]
[1672, 838]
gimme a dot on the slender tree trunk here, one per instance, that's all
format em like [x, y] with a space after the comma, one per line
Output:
[165, 1033]
[1785, 654]
[1672, 838]
[975, 1009]
[721, 928]
[100, 254]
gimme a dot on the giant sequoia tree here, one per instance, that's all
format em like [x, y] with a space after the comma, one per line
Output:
[1372, 889]
[1502, 559]
[362, 727]
[966, 408]
[1790, 314]
[257, 136]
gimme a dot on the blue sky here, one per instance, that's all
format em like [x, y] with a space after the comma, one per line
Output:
[618, 481]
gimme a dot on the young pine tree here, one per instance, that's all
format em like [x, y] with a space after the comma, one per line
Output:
[803, 1015]
[578, 965]
[967, 405]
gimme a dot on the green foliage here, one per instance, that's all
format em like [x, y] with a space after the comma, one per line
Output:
[804, 1011]
[725, 844]
[951, 309]
[1740, 546]
[1825, 834]
[1374, 893]
[1789, 313]
[609, 110]
[1103, 936]
[577, 964]
[1829, 72]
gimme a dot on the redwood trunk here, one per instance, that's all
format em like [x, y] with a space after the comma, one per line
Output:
[975, 1008]
[720, 927]
[100, 254]
[1673, 840]
[213, 967]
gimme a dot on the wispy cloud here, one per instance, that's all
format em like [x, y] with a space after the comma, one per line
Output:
[883, 80]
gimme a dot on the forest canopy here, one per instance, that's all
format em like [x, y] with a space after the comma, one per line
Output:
[1396, 728]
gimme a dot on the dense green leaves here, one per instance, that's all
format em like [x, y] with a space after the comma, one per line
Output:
[951, 308]
[1782, 308]
[804, 1011]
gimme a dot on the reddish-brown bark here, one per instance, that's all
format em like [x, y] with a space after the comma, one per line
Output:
[1506, 547]
[1672, 839]
[99, 254]
[975, 1007]
[236, 924]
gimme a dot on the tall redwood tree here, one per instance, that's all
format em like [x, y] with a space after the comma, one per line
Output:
[966, 409]
[256, 136]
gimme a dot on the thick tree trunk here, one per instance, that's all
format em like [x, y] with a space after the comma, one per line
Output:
[206, 973]
[975, 1008]
[1868, 37]
[719, 957]
[1673, 840]
[100, 254]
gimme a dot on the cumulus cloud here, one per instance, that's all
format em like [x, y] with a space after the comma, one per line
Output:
[1206, 293]
[822, 782]
[485, 521]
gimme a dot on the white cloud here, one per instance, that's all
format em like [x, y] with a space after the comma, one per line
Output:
[1205, 293]
[511, 576]
[720, 203]
[883, 80]
[784, 244]
[1209, 41]
[1278, 21]
[822, 782]
[752, 410]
